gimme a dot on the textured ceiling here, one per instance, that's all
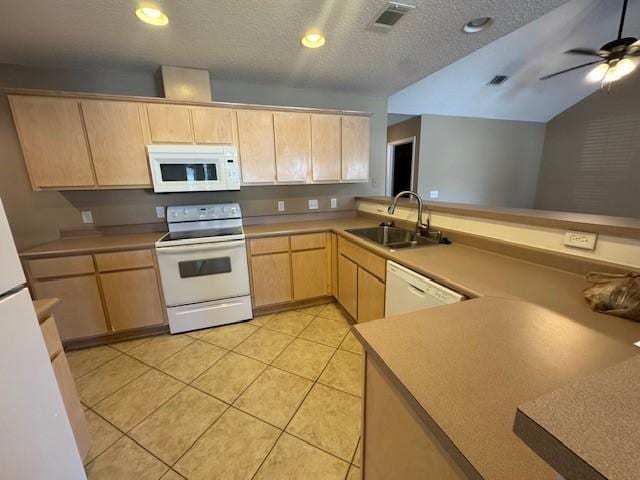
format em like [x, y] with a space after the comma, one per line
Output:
[525, 55]
[259, 40]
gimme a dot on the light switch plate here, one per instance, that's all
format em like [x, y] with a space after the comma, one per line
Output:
[87, 216]
[334, 203]
[313, 204]
[584, 240]
[281, 205]
[433, 194]
[160, 212]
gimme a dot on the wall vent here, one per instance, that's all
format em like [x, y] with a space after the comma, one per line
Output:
[497, 80]
[389, 16]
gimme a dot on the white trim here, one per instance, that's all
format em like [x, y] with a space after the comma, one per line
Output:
[390, 163]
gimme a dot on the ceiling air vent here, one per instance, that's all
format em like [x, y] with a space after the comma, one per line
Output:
[497, 80]
[389, 16]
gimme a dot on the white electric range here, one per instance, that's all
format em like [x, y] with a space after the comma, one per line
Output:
[203, 267]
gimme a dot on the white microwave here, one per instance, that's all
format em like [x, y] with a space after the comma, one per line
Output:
[193, 168]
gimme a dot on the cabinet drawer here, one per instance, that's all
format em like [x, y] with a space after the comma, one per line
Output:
[308, 241]
[260, 246]
[61, 266]
[124, 260]
[367, 260]
[51, 336]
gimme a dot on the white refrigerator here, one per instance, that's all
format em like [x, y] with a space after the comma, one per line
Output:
[36, 440]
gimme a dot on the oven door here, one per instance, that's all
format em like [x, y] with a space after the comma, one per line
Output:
[203, 272]
[187, 173]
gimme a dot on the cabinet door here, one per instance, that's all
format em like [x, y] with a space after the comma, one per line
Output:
[117, 144]
[79, 313]
[53, 141]
[257, 146]
[271, 276]
[293, 146]
[169, 123]
[326, 145]
[212, 125]
[355, 148]
[310, 273]
[132, 298]
[370, 297]
[348, 285]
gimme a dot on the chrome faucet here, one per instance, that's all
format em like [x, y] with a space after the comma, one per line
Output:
[421, 228]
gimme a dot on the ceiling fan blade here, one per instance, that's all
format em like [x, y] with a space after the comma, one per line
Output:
[588, 51]
[570, 69]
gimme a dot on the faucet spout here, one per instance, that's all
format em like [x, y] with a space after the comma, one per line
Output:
[420, 227]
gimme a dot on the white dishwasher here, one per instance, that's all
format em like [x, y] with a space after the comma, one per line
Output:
[408, 291]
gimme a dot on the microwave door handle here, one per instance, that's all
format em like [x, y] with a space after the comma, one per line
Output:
[200, 248]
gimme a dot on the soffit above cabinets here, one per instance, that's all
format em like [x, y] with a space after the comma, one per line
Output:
[259, 41]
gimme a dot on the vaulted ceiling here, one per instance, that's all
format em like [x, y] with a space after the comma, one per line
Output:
[259, 40]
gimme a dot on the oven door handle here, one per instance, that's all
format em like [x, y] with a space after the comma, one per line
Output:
[208, 247]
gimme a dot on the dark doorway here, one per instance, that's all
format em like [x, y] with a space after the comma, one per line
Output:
[402, 167]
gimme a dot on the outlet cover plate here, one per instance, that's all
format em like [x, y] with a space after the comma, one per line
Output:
[433, 194]
[334, 203]
[87, 216]
[584, 240]
[313, 204]
[281, 205]
[159, 212]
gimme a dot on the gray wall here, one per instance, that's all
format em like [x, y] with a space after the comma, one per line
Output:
[591, 159]
[36, 217]
[480, 161]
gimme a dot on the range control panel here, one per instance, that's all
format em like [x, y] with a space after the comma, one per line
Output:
[192, 213]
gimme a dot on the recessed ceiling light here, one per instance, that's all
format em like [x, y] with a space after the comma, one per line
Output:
[477, 25]
[313, 40]
[152, 16]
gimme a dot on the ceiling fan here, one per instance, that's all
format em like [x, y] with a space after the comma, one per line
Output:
[616, 57]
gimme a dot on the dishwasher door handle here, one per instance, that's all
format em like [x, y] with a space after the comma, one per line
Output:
[415, 290]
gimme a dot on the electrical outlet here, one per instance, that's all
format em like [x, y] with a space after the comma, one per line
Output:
[281, 205]
[313, 204]
[334, 203]
[433, 194]
[160, 212]
[87, 216]
[584, 240]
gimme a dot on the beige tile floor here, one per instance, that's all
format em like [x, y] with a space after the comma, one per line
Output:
[274, 398]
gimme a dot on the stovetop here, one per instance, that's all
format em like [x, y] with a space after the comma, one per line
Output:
[194, 234]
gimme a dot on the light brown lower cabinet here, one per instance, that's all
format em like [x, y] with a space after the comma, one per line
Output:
[310, 273]
[132, 298]
[80, 313]
[100, 294]
[370, 297]
[271, 275]
[348, 285]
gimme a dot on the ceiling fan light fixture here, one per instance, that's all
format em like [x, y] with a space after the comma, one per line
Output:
[625, 67]
[598, 73]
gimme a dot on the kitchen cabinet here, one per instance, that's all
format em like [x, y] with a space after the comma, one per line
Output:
[311, 265]
[370, 297]
[292, 133]
[117, 143]
[348, 285]
[101, 294]
[271, 275]
[52, 137]
[213, 125]
[355, 148]
[169, 123]
[326, 145]
[361, 281]
[256, 144]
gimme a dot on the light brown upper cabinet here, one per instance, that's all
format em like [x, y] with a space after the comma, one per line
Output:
[114, 130]
[293, 146]
[53, 141]
[326, 144]
[169, 123]
[212, 125]
[257, 146]
[355, 148]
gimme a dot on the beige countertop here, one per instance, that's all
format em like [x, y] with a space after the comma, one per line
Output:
[93, 243]
[597, 416]
[44, 306]
[469, 365]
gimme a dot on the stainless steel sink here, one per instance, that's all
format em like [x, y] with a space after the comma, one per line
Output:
[392, 237]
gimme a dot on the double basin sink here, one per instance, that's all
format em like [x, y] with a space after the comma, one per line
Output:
[393, 237]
